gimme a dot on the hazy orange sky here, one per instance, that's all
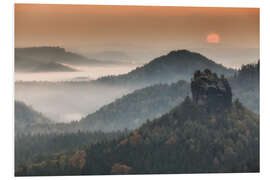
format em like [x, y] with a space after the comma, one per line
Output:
[92, 28]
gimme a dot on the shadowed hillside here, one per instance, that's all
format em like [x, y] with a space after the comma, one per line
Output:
[246, 86]
[132, 110]
[177, 65]
[25, 117]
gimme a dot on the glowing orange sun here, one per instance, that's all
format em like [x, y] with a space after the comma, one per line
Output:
[213, 38]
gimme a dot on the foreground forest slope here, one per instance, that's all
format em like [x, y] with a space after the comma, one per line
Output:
[43, 151]
[186, 140]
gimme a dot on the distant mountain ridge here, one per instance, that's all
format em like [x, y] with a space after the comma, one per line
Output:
[53, 67]
[33, 58]
[176, 65]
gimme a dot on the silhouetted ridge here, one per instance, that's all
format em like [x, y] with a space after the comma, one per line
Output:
[43, 49]
[176, 65]
[35, 59]
[53, 67]
[180, 52]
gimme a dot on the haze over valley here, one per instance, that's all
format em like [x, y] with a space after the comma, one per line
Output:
[57, 97]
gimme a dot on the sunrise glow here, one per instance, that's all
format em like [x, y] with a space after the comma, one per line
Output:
[213, 38]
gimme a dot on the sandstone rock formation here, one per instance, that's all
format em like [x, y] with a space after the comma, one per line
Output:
[211, 91]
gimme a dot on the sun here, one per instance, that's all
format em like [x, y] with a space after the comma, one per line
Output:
[213, 38]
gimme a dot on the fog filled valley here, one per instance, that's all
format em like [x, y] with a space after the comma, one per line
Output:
[67, 101]
[91, 111]
[57, 99]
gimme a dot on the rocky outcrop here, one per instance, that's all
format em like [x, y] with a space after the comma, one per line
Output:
[211, 91]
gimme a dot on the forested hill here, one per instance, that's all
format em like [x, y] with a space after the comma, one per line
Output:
[188, 139]
[176, 65]
[134, 109]
[246, 86]
[25, 117]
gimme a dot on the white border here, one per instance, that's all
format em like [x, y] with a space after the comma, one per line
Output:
[7, 86]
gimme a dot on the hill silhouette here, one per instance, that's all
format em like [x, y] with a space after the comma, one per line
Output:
[32, 58]
[176, 65]
[53, 67]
